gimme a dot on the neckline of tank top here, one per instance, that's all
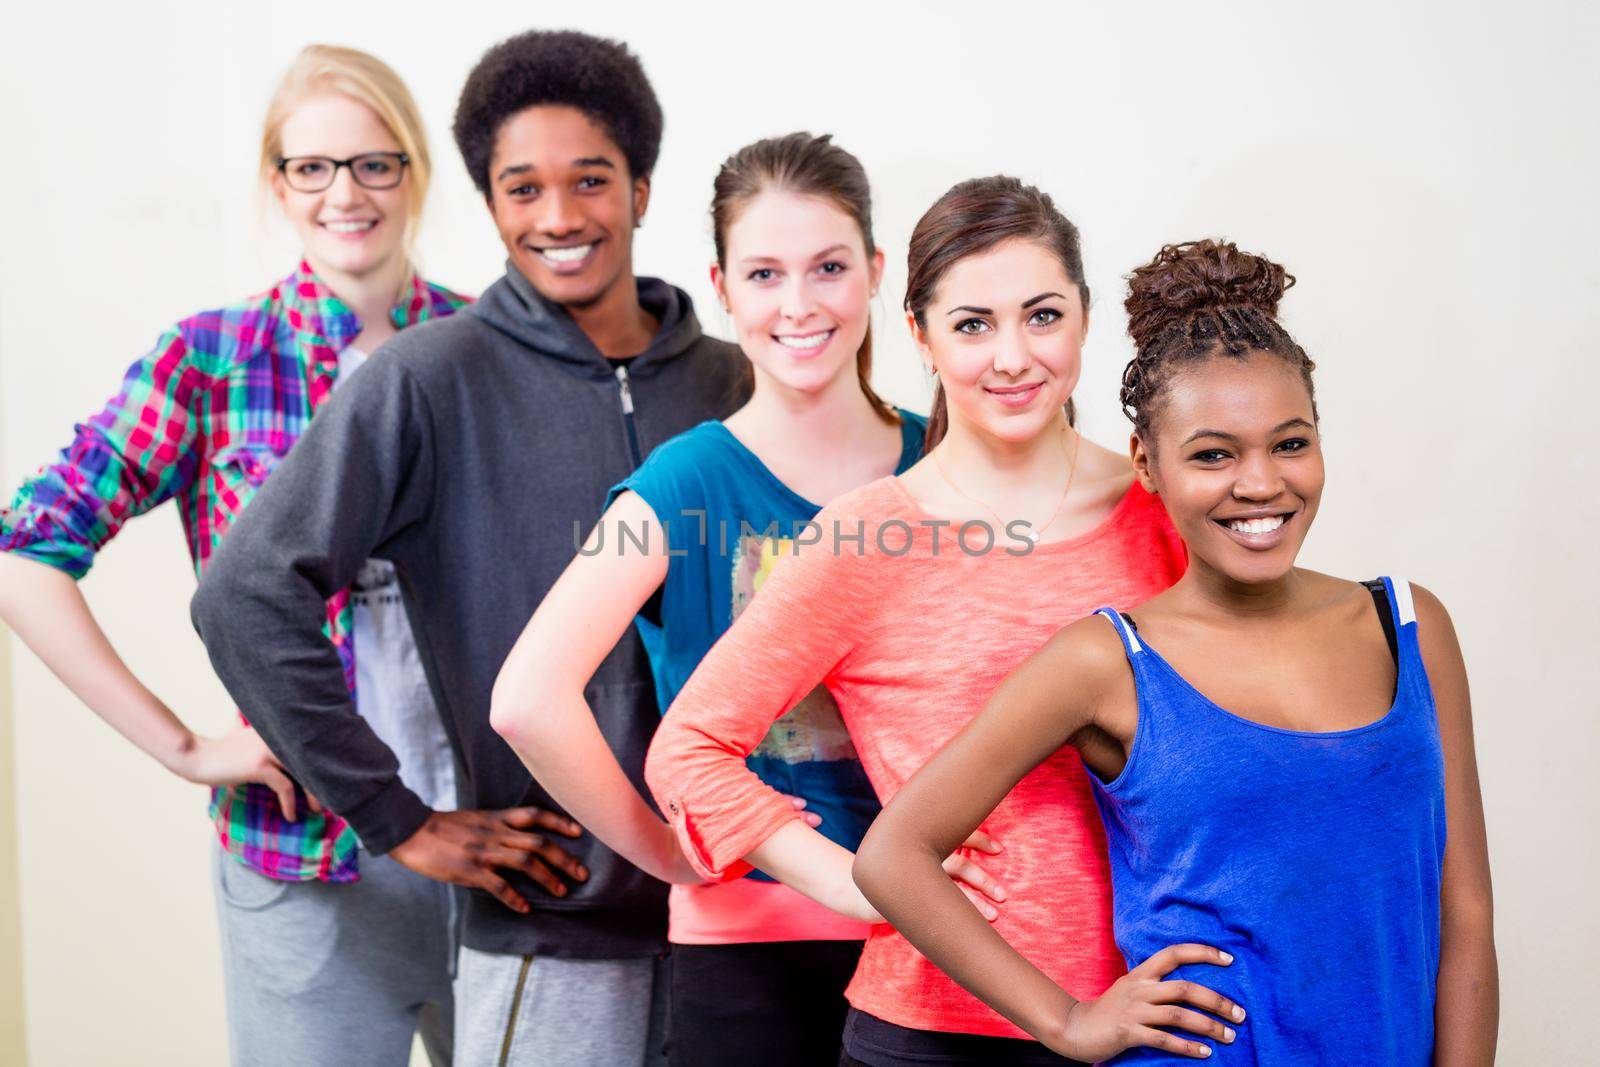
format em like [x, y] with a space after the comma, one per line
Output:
[1104, 526]
[748, 456]
[1383, 720]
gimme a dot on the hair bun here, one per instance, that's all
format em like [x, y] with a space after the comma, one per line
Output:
[1195, 276]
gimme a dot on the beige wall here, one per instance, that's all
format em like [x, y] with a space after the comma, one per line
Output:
[13, 1027]
[1426, 170]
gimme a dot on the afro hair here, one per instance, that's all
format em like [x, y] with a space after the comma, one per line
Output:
[599, 77]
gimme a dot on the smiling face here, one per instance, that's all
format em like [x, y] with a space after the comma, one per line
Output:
[564, 203]
[797, 283]
[346, 228]
[1004, 331]
[1238, 464]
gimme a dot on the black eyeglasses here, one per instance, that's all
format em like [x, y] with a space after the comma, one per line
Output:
[373, 170]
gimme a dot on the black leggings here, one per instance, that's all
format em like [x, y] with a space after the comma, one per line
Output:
[887, 1045]
[777, 1004]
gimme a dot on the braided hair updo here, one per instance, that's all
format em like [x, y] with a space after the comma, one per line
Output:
[1195, 301]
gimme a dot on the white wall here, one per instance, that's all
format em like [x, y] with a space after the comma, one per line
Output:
[1426, 170]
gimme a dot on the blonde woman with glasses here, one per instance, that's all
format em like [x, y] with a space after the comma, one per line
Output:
[330, 955]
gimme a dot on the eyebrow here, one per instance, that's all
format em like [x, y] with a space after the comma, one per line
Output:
[581, 161]
[1026, 304]
[1282, 426]
[745, 261]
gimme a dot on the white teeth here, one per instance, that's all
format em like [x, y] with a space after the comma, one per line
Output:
[1256, 526]
[808, 342]
[566, 255]
[349, 227]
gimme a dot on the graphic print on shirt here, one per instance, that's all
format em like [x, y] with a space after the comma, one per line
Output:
[392, 692]
[812, 730]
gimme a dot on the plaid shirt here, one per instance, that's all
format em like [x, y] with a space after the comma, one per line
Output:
[204, 418]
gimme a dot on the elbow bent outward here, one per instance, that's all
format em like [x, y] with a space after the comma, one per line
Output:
[512, 717]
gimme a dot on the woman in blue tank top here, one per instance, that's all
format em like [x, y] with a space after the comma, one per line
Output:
[1279, 757]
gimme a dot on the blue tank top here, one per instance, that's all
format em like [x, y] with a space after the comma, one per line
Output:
[1314, 858]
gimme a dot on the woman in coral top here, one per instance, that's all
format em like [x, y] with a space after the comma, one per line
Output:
[912, 597]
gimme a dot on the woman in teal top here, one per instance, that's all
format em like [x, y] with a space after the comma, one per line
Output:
[758, 969]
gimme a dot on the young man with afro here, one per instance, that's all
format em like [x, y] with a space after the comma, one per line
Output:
[469, 452]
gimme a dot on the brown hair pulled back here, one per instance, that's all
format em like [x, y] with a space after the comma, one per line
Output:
[807, 165]
[1197, 300]
[972, 218]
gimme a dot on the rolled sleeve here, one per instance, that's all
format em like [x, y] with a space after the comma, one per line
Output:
[809, 615]
[135, 453]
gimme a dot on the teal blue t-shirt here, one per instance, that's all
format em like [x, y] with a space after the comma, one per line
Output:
[726, 517]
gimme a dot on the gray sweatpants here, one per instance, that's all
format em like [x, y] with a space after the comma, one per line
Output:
[540, 1011]
[335, 975]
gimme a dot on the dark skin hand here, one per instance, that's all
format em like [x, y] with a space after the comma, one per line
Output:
[470, 848]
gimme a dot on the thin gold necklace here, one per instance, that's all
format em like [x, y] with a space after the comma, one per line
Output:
[1031, 535]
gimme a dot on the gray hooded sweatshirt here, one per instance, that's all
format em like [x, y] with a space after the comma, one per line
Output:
[468, 451]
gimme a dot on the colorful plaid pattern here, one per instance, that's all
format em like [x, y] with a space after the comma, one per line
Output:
[203, 419]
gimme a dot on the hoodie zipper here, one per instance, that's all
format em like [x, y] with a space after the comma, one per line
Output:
[626, 393]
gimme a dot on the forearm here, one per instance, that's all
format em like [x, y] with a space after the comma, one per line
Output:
[46, 609]
[261, 621]
[560, 743]
[908, 885]
[1467, 1009]
[809, 863]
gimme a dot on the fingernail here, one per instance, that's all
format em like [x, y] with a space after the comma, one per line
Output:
[999, 892]
[813, 820]
[1205, 1050]
[1238, 1014]
[991, 913]
[1227, 1034]
[1227, 957]
[798, 802]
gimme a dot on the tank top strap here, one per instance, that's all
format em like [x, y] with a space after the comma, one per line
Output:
[1130, 638]
[1158, 694]
[1402, 609]
[1148, 681]
[1413, 676]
